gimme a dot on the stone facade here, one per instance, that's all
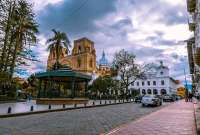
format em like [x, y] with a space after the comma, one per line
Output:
[82, 58]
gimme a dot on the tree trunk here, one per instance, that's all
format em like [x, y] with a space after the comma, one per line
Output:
[57, 57]
[8, 55]
[17, 45]
[3, 55]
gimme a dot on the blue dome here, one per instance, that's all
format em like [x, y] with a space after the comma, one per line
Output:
[103, 61]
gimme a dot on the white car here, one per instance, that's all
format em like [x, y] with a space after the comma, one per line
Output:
[151, 100]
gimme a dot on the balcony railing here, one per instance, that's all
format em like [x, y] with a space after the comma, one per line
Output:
[191, 22]
[192, 26]
[197, 56]
[191, 5]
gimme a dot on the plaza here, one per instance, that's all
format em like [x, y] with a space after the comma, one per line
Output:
[99, 67]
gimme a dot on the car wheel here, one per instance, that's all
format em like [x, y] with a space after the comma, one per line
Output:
[143, 105]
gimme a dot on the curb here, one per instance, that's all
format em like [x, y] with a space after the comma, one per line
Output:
[57, 110]
[196, 114]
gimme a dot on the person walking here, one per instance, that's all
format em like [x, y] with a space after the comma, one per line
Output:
[186, 95]
[190, 97]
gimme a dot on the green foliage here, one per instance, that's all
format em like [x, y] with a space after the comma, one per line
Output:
[19, 30]
[102, 87]
[7, 86]
[57, 42]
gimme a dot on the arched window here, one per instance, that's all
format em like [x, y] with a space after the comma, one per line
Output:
[163, 92]
[162, 82]
[138, 83]
[155, 91]
[132, 83]
[79, 49]
[54, 55]
[149, 91]
[91, 63]
[143, 91]
[79, 62]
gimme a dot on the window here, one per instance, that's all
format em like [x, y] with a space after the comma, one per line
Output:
[161, 72]
[79, 62]
[143, 91]
[148, 82]
[149, 91]
[162, 82]
[138, 83]
[163, 92]
[154, 82]
[54, 55]
[155, 91]
[91, 63]
[132, 83]
[79, 49]
[142, 83]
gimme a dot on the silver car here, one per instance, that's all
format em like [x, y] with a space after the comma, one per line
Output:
[151, 100]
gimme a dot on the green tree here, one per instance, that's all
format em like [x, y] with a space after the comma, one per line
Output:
[18, 32]
[102, 86]
[128, 70]
[57, 42]
[7, 11]
[25, 31]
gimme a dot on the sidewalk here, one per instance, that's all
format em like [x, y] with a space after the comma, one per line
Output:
[175, 119]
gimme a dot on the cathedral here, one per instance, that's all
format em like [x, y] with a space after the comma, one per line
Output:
[82, 59]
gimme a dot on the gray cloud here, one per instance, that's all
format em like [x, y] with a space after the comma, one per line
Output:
[169, 14]
[73, 18]
[111, 34]
[122, 23]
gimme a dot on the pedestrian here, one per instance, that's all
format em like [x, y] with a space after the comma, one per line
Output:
[186, 95]
[190, 97]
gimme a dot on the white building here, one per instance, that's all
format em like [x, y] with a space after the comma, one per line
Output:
[157, 82]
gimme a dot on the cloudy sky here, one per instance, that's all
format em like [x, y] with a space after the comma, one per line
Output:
[153, 30]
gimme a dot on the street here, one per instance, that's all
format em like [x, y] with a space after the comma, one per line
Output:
[90, 121]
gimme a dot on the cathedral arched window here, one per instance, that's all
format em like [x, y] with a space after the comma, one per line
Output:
[79, 49]
[54, 55]
[79, 62]
[91, 63]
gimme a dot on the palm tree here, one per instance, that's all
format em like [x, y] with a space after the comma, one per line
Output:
[57, 42]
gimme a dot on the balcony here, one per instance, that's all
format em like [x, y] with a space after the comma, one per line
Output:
[191, 5]
[191, 22]
[190, 55]
[192, 26]
[197, 56]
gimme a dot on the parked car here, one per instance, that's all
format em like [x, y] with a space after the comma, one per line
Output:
[138, 99]
[168, 98]
[151, 100]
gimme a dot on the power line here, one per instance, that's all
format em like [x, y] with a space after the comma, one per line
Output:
[79, 8]
[75, 11]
